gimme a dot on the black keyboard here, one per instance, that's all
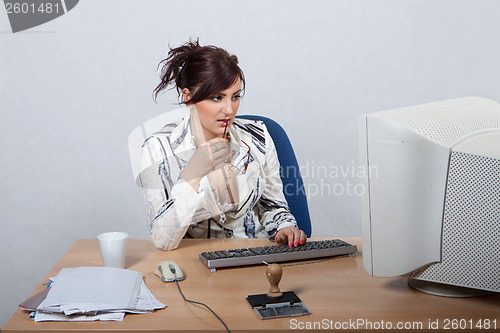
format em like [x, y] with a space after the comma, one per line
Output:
[276, 253]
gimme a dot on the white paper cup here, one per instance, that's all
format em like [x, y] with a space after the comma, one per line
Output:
[113, 246]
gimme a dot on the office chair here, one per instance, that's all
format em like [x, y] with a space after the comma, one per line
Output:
[293, 186]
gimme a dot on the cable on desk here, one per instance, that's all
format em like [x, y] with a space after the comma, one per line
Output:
[195, 302]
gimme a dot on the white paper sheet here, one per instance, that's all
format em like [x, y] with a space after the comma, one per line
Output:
[40, 316]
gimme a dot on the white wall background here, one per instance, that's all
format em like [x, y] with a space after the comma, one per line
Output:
[72, 89]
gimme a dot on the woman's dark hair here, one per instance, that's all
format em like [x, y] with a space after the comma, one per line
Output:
[204, 70]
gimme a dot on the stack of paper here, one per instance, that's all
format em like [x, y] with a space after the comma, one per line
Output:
[96, 293]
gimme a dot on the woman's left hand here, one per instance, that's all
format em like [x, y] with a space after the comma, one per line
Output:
[293, 235]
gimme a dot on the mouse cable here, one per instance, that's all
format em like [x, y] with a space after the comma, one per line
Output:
[199, 303]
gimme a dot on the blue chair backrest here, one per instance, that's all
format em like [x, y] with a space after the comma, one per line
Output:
[293, 186]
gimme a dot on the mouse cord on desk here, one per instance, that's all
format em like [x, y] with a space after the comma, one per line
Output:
[199, 303]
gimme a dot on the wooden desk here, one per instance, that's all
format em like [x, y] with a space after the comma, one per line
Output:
[339, 293]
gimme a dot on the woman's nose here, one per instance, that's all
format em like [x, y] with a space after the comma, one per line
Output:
[227, 108]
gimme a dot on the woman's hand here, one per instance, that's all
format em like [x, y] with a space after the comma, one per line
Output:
[293, 235]
[209, 156]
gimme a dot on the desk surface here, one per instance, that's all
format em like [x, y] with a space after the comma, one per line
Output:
[338, 292]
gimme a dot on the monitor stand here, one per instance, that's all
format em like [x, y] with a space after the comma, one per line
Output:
[446, 290]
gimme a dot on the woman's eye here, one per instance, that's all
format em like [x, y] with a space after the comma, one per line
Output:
[236, 97]
[216, 98]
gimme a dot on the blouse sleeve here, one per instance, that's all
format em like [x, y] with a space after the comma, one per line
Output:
[273, 208]
[171, 203]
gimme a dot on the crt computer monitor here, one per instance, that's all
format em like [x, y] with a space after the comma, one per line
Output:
[431, 208]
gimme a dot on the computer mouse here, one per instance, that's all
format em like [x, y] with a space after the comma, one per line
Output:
[166, 269]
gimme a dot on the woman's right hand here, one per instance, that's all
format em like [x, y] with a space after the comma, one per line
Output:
[209, 156]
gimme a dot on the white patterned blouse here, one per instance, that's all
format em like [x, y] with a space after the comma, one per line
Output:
[175, 210]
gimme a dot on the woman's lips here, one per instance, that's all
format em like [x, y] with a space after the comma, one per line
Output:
[224, 122]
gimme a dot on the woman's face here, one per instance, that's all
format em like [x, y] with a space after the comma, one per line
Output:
[218, 112]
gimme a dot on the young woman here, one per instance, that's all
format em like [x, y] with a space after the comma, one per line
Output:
[211, 175]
